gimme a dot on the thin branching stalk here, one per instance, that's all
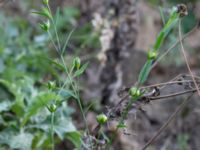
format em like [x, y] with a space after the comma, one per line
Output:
[61, 52]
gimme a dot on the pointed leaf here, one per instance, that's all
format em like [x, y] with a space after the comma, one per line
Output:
[81, 70]
[145, 71]
[45, 13]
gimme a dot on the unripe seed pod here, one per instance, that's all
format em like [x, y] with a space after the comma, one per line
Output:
[45, 2]
[134, 92]
[45, 26]
[102, 118]
[182, 10]
[77, 63]
[51, 85]
[152, 55]
[52, 108]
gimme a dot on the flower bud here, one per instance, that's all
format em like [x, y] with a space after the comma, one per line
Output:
[102, 118]
[45, 26]
[51, 85]
[77, 63]
[152, 55]
[52, 108]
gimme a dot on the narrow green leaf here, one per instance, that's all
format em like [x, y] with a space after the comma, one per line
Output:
[173, 19]
[54, 62]
[45, 13]
[145, 71]
[159, 41]
[81, 70]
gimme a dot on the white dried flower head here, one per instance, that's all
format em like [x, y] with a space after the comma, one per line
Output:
[106, 38]
[102, 58]
[97, 21]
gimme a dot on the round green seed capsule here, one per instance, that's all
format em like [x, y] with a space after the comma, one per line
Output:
[45, 26]
[45, 2]
[102, 118]
[152, 55]
[77, 63]
[134, 92]
[51, 85]
[52, 108]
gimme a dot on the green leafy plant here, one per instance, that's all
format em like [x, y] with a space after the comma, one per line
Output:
[33, 111]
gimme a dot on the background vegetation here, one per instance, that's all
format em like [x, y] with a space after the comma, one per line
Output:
[60, 79]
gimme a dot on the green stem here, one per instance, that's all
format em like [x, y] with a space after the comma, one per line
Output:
[52, 130]
[54, 26]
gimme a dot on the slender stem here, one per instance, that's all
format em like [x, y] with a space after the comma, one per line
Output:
[186, 60]
[51, 38]
[52, 131]
[173, 95]
[54, 26]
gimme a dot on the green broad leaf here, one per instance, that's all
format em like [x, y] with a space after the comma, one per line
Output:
[5, 106]
[62, 126]
[45, 13]
[21, 141]
[40, 101]
[145, 72]
[81, 70]
[39, 140]
[75, 138]
[18, 105]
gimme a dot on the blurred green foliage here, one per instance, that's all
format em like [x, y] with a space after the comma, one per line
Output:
[27, 63]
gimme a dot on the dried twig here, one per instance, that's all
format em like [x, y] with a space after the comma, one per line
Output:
[186, 60]
[164, 126]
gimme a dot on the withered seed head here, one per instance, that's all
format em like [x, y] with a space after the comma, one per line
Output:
[182, 10]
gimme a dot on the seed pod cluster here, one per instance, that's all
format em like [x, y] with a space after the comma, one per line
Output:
[135, 92]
